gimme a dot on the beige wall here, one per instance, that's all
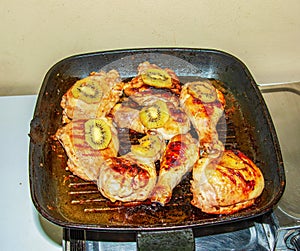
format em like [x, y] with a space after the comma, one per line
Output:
[35, 34]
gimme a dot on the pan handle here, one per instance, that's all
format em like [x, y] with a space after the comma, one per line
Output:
[181, 240]
[74, 240]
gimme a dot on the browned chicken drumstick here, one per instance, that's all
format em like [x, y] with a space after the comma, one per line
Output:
[204, 105]
[178, 159]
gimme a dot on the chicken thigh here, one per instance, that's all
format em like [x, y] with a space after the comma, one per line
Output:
[126, 179]
[93, 96]
[132, 177]
[83, 159]
[226, 184]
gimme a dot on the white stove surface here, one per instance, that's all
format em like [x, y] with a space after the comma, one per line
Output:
[21, 225]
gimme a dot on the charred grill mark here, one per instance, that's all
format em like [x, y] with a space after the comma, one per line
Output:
[249, 166]
[78, 127]
[204, 109]
[196, 101]
[78, 137]
[248, 184]
[237, 174]
[81, 146]
[175, 151]
[123, 166]
[80, 143]
[207, 108]
[247, 162]
[230, 175]
[87, 151]
[176, 85]
[78, 124]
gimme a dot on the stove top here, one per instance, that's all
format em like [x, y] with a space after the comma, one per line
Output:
[262, 234]
[258, 236]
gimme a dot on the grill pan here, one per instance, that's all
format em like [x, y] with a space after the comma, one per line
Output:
[73, 203]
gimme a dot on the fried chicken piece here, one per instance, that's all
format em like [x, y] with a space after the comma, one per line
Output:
[177, 123]
[132, 177]
[226, 184]
[204, 105]
[128, 117]
[126, 179]
[137, 85]
[151, 95]
[104, 92]
[179, 157]
[83, 160]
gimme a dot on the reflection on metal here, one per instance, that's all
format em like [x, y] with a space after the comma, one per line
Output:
[284, 105]
[283, 101]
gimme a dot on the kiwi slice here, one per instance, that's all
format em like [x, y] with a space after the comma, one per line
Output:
[154, 116]
[88, 90]
[97, 133]
[157, 78]
[204, 91]
[149, 146]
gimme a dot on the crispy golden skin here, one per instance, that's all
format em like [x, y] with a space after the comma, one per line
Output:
[137, 87]
[126, 179]
[226, 184]
[111, 89]
[178, 159]
[204, 117]
[178, 122]
[130, 177]
[83, 160]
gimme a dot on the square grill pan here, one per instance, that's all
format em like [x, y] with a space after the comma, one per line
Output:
[71, 202]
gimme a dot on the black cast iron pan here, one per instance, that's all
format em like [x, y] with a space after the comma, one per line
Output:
[72, 203]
